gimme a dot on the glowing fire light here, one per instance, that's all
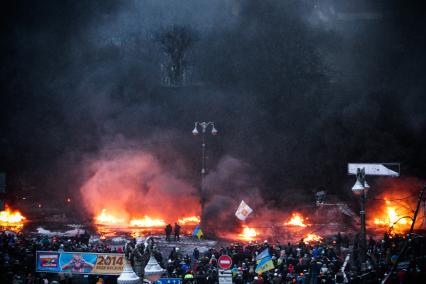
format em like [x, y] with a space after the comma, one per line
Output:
[189, 220]
[248, 234]
[296, 220]
[107, 219]
[11, 218]
[392, 218]
[147, 222]
[311, 238]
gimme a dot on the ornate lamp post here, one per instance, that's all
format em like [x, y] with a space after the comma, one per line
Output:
[128, 276]
[360, 188]
[204, 126]
[153, 270]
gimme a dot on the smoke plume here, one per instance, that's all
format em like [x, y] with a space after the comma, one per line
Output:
[133, 183]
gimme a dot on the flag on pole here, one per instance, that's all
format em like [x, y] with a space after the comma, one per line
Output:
[264, 265]
[197, 232]
[262, 255]
[243, 211]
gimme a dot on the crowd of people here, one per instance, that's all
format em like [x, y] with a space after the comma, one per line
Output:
[319, 262]
[337, 260]
[18, 257]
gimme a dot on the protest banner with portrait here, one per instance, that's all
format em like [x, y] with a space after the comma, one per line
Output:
[80, 262]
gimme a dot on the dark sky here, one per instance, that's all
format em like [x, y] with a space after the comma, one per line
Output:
[297, 88]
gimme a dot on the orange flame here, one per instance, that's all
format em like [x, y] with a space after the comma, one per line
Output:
[128, 183]
[248, 234]
[108, 219]
[189, 220]
[310, 238]
[393, 217]
[11, 218]
[148, 222]
[296, 220]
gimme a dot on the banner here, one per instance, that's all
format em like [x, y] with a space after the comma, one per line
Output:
[80, 262]
[243, 211]
[169, 281]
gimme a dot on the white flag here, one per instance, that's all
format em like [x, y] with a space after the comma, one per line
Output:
[243, 211]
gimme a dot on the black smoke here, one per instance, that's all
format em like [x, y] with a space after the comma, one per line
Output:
[297, 89]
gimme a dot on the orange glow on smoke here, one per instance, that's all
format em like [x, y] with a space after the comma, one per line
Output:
[189, 220]
[248, 234]
[132, 190]
[11, 218]
[311, 238]
[296, 220]
[394, 216]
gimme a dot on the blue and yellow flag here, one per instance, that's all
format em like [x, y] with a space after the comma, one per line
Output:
[264, 265]
[262, 255]
[197, 232]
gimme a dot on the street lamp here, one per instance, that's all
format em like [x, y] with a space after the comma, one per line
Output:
[153, 270]
[128, 276]
[360, 188]
[204, 126]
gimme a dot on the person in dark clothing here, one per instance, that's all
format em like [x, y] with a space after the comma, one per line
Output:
[168, 230]
[177, 232]
[196, 254]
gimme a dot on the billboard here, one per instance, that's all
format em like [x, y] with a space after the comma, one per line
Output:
[80, 262]
[169, 281]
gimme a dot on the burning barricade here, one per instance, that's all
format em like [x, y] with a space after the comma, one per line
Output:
[393, 217]
[11, 219]
[297, 220]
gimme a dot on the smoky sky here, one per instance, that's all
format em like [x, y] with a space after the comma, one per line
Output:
[296, 88]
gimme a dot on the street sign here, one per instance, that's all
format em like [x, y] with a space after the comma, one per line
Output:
[379, 169]
[225, 277]
[224, 262]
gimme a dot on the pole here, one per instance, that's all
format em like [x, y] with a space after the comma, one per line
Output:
[417, 209]
[204, 125]
[363, 227]
[363, 236]
[203, 173]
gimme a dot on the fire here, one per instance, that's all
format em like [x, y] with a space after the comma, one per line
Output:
[130, 183]
[147, 221]
[11, 218]
[108, 219]
[189, 220]
[312, 238]
[392, 217]
[296, 220]
[248, 234]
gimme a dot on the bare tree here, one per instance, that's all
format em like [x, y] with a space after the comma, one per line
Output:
[174, 43]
